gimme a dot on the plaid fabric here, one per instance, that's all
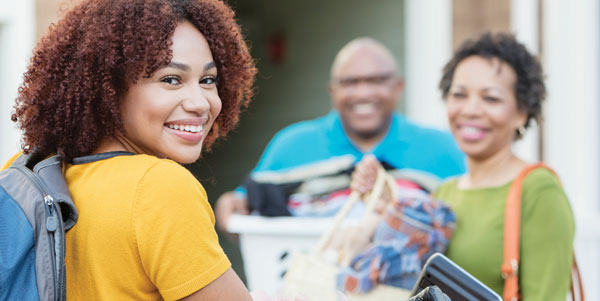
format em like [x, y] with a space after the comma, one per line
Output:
[415, 227]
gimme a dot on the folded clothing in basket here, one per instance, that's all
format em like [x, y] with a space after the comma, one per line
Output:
[317, 189]
[414, 227]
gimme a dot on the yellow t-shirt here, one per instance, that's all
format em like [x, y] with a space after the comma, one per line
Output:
[145, 231]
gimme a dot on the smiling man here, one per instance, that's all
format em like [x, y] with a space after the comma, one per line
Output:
[365, 88]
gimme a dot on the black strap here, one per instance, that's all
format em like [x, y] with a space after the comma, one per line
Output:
[98, 157]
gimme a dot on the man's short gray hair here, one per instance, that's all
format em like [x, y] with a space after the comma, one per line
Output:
[359, 43]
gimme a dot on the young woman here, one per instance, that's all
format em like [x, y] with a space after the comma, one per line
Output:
[125, 91]
[493, 88]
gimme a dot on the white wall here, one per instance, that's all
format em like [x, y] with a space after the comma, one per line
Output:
[571, 48]
[524, 23]
[428, 46]
[17, 35]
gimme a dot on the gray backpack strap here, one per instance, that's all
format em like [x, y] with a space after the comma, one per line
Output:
[50, 171]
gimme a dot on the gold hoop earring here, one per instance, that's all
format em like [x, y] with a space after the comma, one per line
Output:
[522, 131]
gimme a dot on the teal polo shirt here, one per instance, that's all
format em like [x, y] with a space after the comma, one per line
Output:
[406, 146]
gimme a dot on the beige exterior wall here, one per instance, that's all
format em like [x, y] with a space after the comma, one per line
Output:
[48, 12]
[471, 18]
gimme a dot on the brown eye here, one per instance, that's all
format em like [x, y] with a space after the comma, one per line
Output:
[458, 95]
[209, 80]
[171, 80]
[491, 99]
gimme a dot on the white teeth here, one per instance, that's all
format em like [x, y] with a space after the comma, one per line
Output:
[187, 128]
[364, 108]
[471, 130]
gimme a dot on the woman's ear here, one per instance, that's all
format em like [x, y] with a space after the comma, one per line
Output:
[522, 117]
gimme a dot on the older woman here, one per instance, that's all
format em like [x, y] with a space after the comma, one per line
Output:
[125, 91]
[493, 88]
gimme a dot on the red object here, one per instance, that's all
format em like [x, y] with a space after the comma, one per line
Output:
[277, 48]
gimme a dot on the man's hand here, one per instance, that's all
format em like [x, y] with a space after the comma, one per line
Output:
[363, 180]
[365, 174]
[228, 204]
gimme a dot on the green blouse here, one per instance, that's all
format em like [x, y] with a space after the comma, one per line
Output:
[547, 232]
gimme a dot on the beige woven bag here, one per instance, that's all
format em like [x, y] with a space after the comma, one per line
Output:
[310, 277]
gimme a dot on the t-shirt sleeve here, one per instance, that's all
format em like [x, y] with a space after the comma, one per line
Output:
[173, 225]
[547, 239]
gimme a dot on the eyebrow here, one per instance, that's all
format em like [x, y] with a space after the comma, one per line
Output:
[185, 67]
[180, 66]
[209, 66]
[486, 89]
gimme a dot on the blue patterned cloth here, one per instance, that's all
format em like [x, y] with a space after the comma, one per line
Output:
[414, 227]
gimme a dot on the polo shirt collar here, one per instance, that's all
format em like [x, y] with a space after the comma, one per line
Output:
[395, 140]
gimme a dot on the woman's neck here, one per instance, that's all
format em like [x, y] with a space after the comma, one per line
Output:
[118, 143]
[496, 170]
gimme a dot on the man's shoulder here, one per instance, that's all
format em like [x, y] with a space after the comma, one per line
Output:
[301, 143]
[417, 132]
[426, 148]
[304, 129]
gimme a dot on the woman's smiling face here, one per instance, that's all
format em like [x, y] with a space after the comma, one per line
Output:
[482, 106]
[170, 113]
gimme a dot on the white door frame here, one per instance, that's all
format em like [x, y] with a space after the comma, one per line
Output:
[17, 37]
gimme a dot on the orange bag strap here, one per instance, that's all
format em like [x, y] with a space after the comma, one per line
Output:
[512, 239]
[576, 277]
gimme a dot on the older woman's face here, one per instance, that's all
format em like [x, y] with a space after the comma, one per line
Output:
[482, 107]
[170, 113]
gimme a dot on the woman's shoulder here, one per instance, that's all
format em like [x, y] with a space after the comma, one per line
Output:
[542, 184]
[165, 172]
[541, 178]
[150, 173]
[150, 164]
[165, 183]
[449, 186]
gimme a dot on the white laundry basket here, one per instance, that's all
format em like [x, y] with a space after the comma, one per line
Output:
[267, 244]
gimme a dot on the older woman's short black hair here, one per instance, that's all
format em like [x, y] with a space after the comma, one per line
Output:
[530, 90]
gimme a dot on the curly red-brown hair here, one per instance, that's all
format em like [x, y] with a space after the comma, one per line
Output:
[71, 95]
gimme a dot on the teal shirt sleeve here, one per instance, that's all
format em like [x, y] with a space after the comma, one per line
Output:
[547, 239]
